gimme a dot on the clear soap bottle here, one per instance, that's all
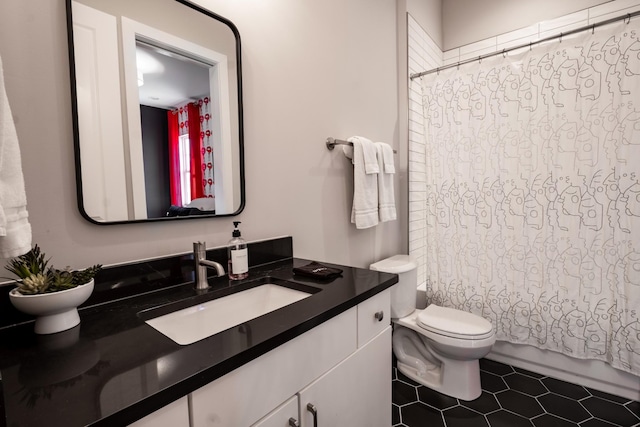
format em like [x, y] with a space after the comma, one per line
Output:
[238, 256]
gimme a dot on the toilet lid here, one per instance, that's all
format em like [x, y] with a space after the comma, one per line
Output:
[454, 323]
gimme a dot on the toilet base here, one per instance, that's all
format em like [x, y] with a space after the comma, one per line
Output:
[461, 379]
[447, 365]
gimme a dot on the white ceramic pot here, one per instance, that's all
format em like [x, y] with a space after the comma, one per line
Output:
[55, 311]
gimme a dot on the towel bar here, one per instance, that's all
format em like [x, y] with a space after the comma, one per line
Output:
[332, 142]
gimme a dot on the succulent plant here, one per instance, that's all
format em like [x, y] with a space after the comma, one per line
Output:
[35, 284]
[59, 280]
[36, 278]
[83, 276]
[33, 262]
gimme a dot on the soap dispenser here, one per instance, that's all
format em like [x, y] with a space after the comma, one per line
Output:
[238, 257]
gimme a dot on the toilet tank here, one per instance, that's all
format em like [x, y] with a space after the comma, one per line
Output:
[403, 293]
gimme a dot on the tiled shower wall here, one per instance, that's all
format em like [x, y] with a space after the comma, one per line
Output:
[424, 54]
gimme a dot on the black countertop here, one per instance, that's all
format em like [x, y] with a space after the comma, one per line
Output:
[113, 368]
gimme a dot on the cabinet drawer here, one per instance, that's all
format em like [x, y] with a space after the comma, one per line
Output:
[373, 316]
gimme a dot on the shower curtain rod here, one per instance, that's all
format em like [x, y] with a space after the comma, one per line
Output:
[591, 27]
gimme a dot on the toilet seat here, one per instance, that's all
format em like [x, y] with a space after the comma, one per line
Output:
[454, 323]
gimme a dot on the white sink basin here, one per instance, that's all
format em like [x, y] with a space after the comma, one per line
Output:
[200, 321]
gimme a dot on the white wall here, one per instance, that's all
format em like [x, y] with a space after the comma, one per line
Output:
[467, 21]
[311, 70]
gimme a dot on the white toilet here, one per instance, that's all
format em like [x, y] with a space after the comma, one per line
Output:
[437, 347]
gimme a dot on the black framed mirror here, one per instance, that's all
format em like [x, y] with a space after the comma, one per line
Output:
[157, 111]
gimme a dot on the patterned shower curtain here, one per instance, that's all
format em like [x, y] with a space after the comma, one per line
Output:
[533, 199]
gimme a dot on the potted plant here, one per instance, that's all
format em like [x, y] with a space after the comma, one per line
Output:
[50, 294]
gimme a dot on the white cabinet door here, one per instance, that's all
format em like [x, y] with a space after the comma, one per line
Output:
[357, 392]
[285, 415]
[175, 414]
[245, 395]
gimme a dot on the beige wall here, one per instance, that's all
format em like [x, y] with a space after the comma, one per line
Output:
[428, 13]
[311, 70]
[467, 21]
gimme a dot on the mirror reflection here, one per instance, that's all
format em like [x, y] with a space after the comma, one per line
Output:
[157, 110]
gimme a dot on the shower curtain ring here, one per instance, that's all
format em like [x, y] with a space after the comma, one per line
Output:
[628, 18]
[560, 37]
[593, 29]
[504, 53]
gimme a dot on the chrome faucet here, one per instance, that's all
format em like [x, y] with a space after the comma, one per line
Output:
[202, 263]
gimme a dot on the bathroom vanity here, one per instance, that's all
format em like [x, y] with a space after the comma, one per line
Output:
[339, 367]
[328, 354]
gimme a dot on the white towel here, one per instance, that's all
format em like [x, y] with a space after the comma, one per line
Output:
[386, 197]
[364, 212]
[15, 230]
[369, 152]
[387, 157]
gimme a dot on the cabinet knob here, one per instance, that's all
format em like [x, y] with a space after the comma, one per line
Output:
[293, 422]
[379, 315]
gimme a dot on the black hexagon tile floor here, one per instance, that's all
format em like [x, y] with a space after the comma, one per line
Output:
[511, 397]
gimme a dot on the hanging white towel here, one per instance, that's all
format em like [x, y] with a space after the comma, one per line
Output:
[15, 230]
[386, 197]
[364, 212]
[369, 152]
[387, 164]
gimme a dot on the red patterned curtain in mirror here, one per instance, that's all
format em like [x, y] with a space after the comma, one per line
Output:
[195, 141]
[174, 157]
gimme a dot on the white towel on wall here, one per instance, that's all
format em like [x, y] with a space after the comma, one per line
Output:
[15, 230]
[386, 197]
[369, 151]
[364, 211]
